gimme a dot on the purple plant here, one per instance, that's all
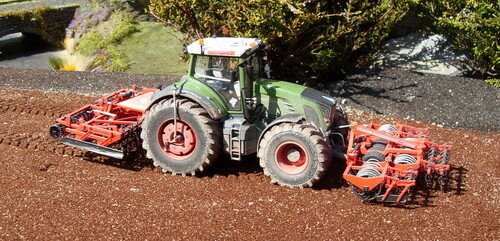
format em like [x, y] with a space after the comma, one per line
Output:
[101, 15]
[102, 52]
[82, 29]
[96, 16]
[77, 19]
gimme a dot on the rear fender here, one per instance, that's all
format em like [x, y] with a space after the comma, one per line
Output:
[212, 107]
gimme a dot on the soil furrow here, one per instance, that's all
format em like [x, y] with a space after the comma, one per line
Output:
[24, 141]
[34, 110]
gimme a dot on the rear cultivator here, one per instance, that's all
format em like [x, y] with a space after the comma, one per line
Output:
[97, 126]
[384, 161]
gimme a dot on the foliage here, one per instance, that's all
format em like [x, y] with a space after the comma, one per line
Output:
[56, 62]
[494, 82]
[322, 38]
[114, 5]
[37, 15]
[90, 43]
[119, 62]
[103, 47]
[473, 24]
[70, 62]
[100, 60]
[142, 3]
[123, 29]
[89, 17]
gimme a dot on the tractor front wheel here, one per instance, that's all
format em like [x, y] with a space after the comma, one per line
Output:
[294, 155]
[183, 146]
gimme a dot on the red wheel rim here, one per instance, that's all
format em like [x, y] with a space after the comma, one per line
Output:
[177, 147]
[291, 158]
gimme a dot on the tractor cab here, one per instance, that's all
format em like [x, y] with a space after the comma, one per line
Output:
[228, 66]
[220, 73]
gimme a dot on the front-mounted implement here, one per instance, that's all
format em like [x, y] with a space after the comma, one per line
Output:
[384, 161]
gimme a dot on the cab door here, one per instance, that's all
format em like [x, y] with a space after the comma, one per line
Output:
[222, 74]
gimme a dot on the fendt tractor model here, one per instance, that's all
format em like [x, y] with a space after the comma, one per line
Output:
[228, 103]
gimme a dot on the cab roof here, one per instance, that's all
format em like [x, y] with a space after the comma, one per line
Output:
[224, 46]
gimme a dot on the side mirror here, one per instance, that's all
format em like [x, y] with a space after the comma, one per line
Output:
[234, 75]
[246, 62]
[242, 64]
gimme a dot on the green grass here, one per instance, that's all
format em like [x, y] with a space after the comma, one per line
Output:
[7, 2]
[153, 50]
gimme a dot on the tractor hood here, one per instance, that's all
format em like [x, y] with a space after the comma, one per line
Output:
[291, 91]
[318, 96]
[318, 107]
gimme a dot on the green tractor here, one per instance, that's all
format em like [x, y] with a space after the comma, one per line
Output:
[228, 102]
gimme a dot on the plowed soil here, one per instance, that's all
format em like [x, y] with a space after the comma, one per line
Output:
[49, 191]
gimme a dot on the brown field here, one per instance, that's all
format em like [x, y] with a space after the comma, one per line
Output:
[49, 191]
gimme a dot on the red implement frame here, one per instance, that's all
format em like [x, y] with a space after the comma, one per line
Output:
[109, 118]
[393, 178]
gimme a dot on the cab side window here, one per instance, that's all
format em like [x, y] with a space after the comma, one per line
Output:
[221, 74]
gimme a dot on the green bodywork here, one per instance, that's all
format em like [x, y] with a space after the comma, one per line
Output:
[279, 98]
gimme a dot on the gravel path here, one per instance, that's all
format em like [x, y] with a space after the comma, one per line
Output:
[78, 82]
[27, 5]
[456, 102]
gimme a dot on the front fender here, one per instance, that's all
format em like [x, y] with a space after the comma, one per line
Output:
[212, 107]
[291, 118]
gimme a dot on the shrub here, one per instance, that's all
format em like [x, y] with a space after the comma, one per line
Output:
[119, 63]
[121, 31]
[316, 40]
[90, 43]
[494, 82]
[103, 48]
[473, 24]
[56, 63]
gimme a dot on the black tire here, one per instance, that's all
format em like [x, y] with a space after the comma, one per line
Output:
[377, 147]
[303, 139]
[373, 156]
[380, 141]
[206, 131]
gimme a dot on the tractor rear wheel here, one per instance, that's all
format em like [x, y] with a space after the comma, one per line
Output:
[184, 146]
[294, 155]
